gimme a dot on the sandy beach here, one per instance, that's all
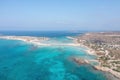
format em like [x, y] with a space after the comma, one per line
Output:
[37, 41]
[28, 39]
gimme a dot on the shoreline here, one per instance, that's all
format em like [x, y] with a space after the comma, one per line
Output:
[87, 49]
[105, 69]
[98, 67]
[28, 39]
[37, 41]
[109, 74]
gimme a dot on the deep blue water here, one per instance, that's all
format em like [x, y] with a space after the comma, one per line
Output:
[41, 33]
[23, 61]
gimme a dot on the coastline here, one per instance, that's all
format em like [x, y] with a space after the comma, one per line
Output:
[72, 64]
[105, 69]
[98, 67]
[90, 51]
[37, 41]
[87, 49]
[28, 39]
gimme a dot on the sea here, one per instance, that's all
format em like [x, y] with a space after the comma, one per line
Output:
[24, 61]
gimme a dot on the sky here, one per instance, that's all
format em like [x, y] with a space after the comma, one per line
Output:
[68, 15]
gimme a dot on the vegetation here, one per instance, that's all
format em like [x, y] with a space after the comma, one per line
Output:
[106, 46]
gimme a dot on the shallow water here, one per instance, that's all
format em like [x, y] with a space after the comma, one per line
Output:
[23, 61]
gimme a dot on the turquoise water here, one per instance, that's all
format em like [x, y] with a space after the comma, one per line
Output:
[23, 61]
